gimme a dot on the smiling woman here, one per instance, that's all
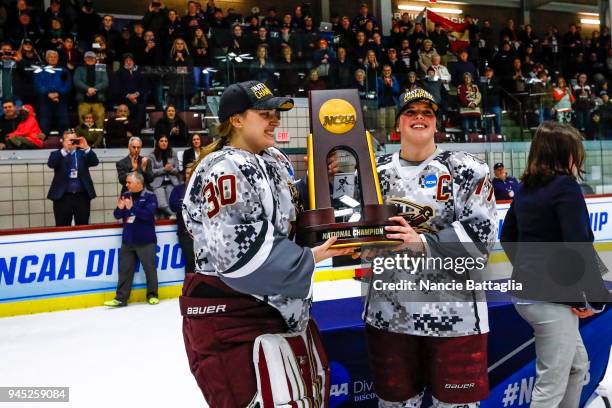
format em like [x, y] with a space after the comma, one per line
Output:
[238, 208]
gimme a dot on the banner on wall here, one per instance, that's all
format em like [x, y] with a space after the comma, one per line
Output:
[49, 264]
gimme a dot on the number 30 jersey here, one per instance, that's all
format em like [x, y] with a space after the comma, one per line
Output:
[238, 207]
[449, 199]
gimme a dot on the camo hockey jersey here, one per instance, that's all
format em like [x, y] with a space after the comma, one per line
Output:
[449, 199]
[238, 208]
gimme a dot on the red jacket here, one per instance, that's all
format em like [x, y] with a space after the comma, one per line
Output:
[28, 128]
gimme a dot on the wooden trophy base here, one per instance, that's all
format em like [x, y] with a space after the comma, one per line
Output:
[317, 226]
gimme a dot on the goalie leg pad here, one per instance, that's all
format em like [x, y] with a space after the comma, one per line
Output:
[292, 370]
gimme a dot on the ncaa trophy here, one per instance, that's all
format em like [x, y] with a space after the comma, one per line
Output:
[336, 124]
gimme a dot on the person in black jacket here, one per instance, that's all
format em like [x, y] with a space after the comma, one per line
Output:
[172, 126]
[72, 188]
[192, 154]
[548, 239]
[491, 101]
[129, 88]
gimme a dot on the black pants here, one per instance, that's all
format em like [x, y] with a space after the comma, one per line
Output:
[187, 248]
[72, 205]
[127, 263]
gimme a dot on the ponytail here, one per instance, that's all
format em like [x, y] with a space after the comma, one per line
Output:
[224, 132]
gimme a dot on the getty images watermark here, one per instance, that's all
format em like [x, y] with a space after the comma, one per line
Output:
[422, 273]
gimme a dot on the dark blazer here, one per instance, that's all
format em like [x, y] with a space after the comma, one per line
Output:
[548, 238]
[124, 167]
[188, 157]
[61, 166]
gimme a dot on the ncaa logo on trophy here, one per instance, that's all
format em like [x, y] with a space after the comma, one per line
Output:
[338, 132]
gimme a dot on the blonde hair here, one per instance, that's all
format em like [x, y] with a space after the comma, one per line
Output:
[224, 134]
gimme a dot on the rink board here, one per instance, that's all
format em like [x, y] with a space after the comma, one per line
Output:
[44, 270]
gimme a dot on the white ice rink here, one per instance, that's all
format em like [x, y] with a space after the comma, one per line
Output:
[110, 358]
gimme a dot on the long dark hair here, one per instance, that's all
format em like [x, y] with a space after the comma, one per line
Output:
[160, 154]
[553, 147]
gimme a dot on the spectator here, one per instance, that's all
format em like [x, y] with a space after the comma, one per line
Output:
[309, 36]
[172, 126]
[173, 29]
[287, 39]
[545, 101]
[509, 31]
[360, 20]
[10, 75]
[388, 99]
[54, 37]
[461, 67]
[361, 49]
[505, 186]
[88, 24]
[440, 42]
[165, 174]
[314, 83]
[341, 71]
[8, 122]
[572, 43]
[136, 208]
[323, 57]
[261, 37]
[201, 59]
[426, 54]
[133, 162]
[470, 99]
[345, 34]
[52, 85]
[262, 68]
[192, 19]
[518, 77]
[155, 17]
[191, 155]
[405, 54]
[291, 77]
[372, 69]
[129, 90]
[271, 22]
[398, 66]
[91, 84]
[110, 34]
[491, 102]
[367, 98]
[119, 127]
[29, 57]
[72, 188]
[583, 97]
[564, 99]
[411, 82]
[27, 135]
[181, 83]
[56, 11]
[90, 131]
[603, 117]
[417, 37]
[151, 57]
[441, 71]
[70, 57]
[25, 28]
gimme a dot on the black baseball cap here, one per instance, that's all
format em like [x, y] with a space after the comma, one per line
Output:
[241, 96]
[499, 165]
[416, 95]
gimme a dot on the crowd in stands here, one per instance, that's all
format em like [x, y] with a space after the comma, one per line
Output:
[69, 58]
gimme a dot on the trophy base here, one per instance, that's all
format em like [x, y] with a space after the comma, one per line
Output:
[317, 226]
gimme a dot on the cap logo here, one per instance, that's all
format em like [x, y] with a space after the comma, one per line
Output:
[337, 116]
[417, 94]
[260, 91]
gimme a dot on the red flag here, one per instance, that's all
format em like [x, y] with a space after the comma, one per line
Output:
[457, 30]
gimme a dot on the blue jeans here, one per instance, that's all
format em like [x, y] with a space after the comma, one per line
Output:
[494, 123]
[198, 73]
[545, 114]
[582, 120]
[470, 124]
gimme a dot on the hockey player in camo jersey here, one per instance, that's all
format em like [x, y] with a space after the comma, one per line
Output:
[447, 209]
[250, 279]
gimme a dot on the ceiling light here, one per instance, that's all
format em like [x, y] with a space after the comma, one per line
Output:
[591, 21]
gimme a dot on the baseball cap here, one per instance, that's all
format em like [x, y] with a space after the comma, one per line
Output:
[498, 166]
[241, 96]
[89, 54]
[416, 95]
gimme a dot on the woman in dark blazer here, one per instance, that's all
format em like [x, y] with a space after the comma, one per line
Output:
[193, 153]
[172, 126]
[548, 239]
